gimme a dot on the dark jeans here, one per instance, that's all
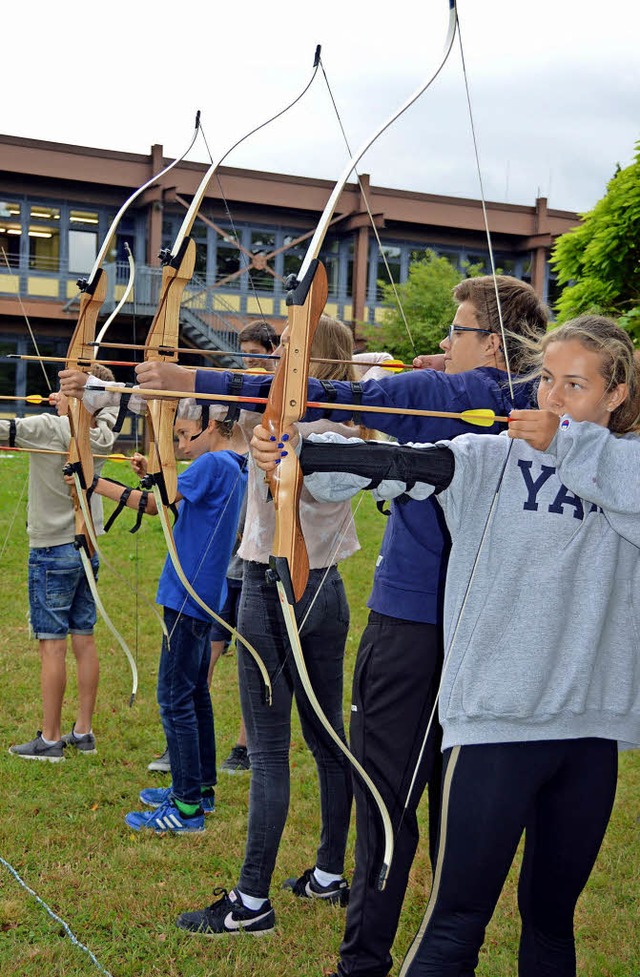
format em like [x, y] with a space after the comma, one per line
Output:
[323, 640]
[394, 687]
[562, 791]
[185, 705]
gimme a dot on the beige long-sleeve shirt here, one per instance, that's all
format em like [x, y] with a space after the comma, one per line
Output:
[50, 515]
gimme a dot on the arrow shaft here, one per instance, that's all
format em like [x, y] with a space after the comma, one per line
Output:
[467, 416]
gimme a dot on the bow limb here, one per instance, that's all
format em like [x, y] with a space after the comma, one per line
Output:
[315, 244]
[162, 344]
[86, 563]
[80, 354]
[81, 458]
[175, 560]
[286, 404]
[162, 476]
[289, 561]
[125, 298]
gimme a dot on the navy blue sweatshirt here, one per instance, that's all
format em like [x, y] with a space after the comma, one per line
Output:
[411, 568]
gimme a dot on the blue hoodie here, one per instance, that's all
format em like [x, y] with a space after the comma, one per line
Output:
[411, 568]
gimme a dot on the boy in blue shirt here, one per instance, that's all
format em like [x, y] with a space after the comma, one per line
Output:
[210, 494]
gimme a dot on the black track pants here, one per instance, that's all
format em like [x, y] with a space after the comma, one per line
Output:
[562, 792]
[394, 686]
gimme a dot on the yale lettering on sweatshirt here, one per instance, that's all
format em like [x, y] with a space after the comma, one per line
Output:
[534, 484]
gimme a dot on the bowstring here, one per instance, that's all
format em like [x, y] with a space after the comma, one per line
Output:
[26, 319]
[290, 105]
[494, 501]
[273, 118]
[483, 204]
[365, 200]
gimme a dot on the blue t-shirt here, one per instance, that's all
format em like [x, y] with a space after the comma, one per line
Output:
[212, 490]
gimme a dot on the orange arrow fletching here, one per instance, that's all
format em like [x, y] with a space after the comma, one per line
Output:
[394, 366]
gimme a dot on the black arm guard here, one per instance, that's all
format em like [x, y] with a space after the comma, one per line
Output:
[379, 460]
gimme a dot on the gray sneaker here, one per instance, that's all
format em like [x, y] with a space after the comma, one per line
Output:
[237, 761]
[37, 749]
[161, 763]
[84, 743]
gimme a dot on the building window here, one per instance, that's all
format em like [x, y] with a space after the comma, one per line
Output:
[83, 241]
[44, 238]
[10, 232]
[293, 256]
[479, 262]
[337, 257]
[126, 234]
[389, 268]
[262, 244]
[228, 264]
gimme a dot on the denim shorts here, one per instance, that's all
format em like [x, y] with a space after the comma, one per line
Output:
[60, 599]
[228, 612]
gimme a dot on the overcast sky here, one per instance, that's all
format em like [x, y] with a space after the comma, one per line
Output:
[555, 87]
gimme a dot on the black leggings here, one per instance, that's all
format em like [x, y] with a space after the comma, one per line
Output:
[562, 792]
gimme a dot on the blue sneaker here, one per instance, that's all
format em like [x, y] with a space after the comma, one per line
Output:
[156, 796]
[167, 817]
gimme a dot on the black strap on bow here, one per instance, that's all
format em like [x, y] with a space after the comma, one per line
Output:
[235, 389]
[142, 508]
[331, 395]
[122, 411]
[356, 389]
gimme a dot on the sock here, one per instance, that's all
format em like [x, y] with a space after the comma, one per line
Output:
[188, 810]
[251, 902]
[48, 742]
[79, 736]
[325, 878]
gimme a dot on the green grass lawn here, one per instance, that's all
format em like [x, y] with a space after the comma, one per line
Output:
[62, 827]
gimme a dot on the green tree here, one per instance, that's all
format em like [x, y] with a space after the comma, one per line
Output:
[427, 302]
[598, 262]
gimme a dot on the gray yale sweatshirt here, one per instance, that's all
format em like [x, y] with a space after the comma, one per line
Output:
[544, 643]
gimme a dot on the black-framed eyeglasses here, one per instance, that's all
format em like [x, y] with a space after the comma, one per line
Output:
[454, 328]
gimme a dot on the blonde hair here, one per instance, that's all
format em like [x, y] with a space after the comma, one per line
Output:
[619, 362]
[333, 341]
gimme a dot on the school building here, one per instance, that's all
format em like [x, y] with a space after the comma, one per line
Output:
[57, 202]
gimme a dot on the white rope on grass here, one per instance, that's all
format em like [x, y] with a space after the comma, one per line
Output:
[65, 926]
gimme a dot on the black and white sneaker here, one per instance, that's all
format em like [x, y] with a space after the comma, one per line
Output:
[228, 917]
[307, 887]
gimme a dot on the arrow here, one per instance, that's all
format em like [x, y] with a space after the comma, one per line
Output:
[479, 417]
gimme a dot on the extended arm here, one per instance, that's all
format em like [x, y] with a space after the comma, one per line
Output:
[336, 468]
[380, 461]
[603, 469]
